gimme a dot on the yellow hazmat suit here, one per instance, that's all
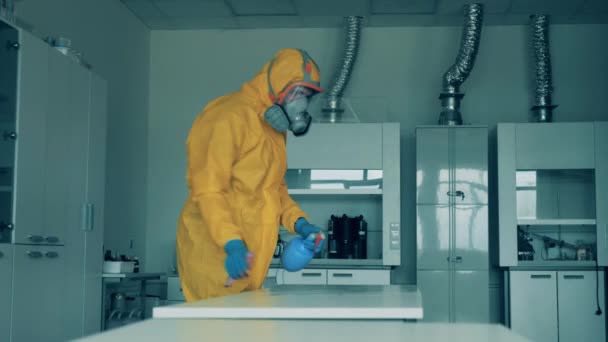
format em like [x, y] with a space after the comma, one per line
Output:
[236, 169]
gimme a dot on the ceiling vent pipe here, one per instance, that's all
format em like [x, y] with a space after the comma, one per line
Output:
[542, 110]
[458, 73]
[332, 109]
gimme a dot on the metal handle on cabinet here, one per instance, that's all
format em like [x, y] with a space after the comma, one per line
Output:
[574, 276]
[52, 239]
[1, 254]
[13, 45]
[343, 275]
[35, 238]
[9, 135]
[51, 255]
[457, 259]
[309, 274]
[6, 226]
[458, 193]
[34, 255]
[540, 276]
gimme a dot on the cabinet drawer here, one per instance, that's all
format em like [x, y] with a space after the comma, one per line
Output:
[304, 277]
[358, 277]
[174, 289]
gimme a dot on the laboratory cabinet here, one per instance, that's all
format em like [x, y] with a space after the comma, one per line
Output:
[346, 177]
[557, 305]
[54, 129]
[452, 222]
[553, 194]
[6, 286]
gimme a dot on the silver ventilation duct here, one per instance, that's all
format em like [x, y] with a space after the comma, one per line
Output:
[332, 109]
[542, 109]
[458, 73]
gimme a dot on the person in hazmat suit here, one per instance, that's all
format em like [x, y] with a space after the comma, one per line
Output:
[237, 161]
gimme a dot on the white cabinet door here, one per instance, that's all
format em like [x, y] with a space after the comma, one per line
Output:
[472, 297]
[601, 190]
[303, 277]
[31, 140]
[432, 166]
[75, 167]
[471, 237]
[6, 282]
[358, 277]
[174, 289]
[434, 287]
[39, 294]
[507, 204]
[533, 303]
[470, 165]
[433, 237]
[93, 253]
[577, 306]
[57, 156]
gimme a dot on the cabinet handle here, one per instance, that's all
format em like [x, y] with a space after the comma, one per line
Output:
[52, 239]
[540, 276]
[51, 255]
[6, 226]
[35, 238]
[574, 276]
[343, 275]
[34, 255]
[1, 254]
[13, 45]
[458, 193]
[9, 135]
[308, 274]
[457, 259]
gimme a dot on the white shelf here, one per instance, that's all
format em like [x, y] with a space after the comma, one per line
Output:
[346, 192]
[556, 222]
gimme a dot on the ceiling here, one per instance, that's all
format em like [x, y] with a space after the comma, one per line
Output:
[246, 14]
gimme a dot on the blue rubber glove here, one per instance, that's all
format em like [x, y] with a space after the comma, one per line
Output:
[304, 228]
[236, 260]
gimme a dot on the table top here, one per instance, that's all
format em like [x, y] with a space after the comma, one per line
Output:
[182, 330]
[402, 302]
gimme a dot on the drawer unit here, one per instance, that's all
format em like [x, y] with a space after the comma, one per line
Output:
[174, 290]
[358, 277]
[304, 277]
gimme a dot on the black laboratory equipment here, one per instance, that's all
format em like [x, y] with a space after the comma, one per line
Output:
[347, 237]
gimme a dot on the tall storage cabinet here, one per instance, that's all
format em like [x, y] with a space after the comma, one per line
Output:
[56, 194]
[452, 222]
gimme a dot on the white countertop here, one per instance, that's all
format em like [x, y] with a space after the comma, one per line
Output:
[306, 302]
[304, 331]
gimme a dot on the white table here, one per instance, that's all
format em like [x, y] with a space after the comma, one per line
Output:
[395, 302]
[303, 331]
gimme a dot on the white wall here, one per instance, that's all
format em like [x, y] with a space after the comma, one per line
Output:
[117, 44]
[397, 78]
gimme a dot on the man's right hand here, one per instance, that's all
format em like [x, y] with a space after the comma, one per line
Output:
[236, 261]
